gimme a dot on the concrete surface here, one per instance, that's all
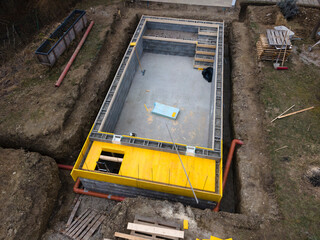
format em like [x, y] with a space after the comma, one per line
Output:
[170, 80]
[216, 3]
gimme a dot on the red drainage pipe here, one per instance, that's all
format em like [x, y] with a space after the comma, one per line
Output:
[73, 57]
[227, 167]
[65, 167]
[78, 190]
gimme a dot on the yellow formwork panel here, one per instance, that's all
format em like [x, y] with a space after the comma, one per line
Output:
[158, 166]
[139, 183]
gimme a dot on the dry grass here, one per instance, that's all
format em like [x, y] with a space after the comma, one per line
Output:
[298, 200]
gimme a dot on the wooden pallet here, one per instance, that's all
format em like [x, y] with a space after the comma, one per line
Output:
[83, 227]
[269, 53]
[277, 37]
[155, 223]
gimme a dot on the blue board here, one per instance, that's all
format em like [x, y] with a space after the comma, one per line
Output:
[165, 110]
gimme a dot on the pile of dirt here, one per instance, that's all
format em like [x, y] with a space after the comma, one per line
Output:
[202, 224]
[29, 186]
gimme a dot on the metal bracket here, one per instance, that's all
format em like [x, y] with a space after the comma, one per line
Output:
[191, 151]
[116, 139]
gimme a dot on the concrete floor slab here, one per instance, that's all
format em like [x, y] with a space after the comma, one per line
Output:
[170, 80]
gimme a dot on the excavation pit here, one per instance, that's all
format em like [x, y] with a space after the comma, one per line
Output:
[163, 64]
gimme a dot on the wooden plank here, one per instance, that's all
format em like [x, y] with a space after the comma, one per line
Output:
[204, 60]
[282, 113]
[293, 113]
[169, 39]
[77, 221]
[200, 67]
[153, 224]
[85, 223]
[274, 38]
[270, 37]
[156, 230]
[73, 213]
[127, 236]
[94, 228]
[182, 22]
[79, 225]
[213, 34]
[278, 39]
[205, 53]
[84, 232]
[207, 46]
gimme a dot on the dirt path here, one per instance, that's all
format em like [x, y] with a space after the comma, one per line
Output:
[253, 166]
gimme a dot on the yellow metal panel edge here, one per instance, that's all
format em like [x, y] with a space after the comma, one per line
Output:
[81, 154]
[158, 187]
[221, 172]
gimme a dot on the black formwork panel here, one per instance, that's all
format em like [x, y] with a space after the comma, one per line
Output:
[51, 49]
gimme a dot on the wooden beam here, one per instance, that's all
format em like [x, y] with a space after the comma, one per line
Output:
[213, 34]
[73, 213]
[205, 53]
[293, 113]
[182, 22]
[282, 113]
[156, 230]
[170, 39]
[111, 159]
[93, 228]
[204, 60]
[127, 236]
[206, 46]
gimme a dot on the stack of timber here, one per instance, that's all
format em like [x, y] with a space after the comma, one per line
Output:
[271, 44]
[147, 228]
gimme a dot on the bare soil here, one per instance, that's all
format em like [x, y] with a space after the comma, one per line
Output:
[37, 116]
[29, 186]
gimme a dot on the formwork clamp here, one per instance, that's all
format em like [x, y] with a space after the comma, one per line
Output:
[133, 43]
[191, 150]
[116, 139]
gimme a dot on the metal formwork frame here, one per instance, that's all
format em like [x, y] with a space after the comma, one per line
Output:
[215, 152]
[102, 181]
